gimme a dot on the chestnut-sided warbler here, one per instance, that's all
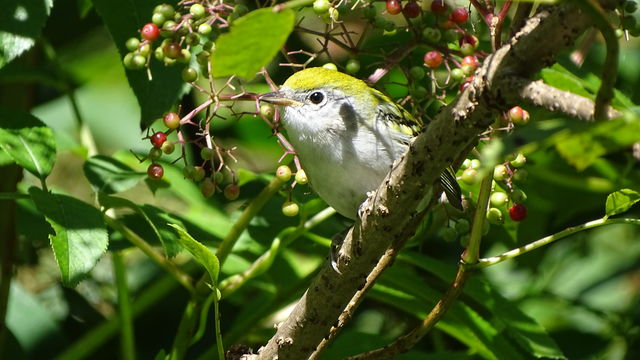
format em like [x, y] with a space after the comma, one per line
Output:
[346, 135]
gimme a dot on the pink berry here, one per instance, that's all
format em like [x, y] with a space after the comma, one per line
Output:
[433, 59]
[460, 15]
[518, 212]
[155, 171]
[150, 32]
[394, 7]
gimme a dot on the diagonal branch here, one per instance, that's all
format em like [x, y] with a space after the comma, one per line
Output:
[392, 213]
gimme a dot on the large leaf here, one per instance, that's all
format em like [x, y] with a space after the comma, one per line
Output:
[109, 175]
[124, 18]
[28, 141]
[80, 236]
[581, 148]
[200, 252]
[21, 22]
[621, 201]
[252, 42]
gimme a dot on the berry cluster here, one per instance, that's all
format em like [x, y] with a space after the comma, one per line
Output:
[283, 173]
[628, 22]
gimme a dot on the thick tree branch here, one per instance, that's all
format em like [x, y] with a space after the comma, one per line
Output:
[392, 212]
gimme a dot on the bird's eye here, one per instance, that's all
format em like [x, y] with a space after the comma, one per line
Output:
[316, 97]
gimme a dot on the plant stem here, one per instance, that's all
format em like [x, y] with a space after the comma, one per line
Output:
[184, 279]
[127, 340]
[472, 253]
[482, 263]
[293, 4]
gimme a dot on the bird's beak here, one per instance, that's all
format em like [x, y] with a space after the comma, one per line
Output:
[278, 98]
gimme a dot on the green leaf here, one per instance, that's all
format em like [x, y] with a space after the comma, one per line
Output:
[581, 148]
[252, 42]
[80, 235]
[28, 141]
[561, 78]
[21, 22]
[156, 218]
[200, 252]
[621, 201]
[109, 176]
[124, 18]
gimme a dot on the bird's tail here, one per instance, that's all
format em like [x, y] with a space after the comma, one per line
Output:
[451, 187]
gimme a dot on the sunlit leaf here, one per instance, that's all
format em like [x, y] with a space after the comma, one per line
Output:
[200, 252]
[80, 236]
[28, 141]
[621, 201]
[252, 42]
[21, 22]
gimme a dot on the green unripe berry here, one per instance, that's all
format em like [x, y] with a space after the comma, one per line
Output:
[369, 12]
[462, 226]
[470, 176]
[206, 153]
[520, 175]
[619, 33]
[168, 147]
[207, 187]
[283, 173]
[321, 7]
[465, 164]
[231, 191]
[468, 70]
[189, 74]
[138, 61]
[519, 161]
[203, 57]
[448, 234]
[475, 164]
[389, 26]
[144, 50]
[417, 72]
[132, 44]
[198, 173]
[467, 49]
[192, 39]
[330, 66]
[218, 177]
[353, 66]
[451, 36]
[204, 29]
[267, 110]
[498, 199]
[518, 196]
[500, 172]
[169, 26]
[419, 92]
[188, 171]
[158, 53]
[494, 216]
[165, 9]
[155, 154]
[630, 6]
[628, 22]
[464, 240]
[185, 56]
[431, 34]
[290, 209]
[457, 74]
[197, 10]
[301, 177]
[209, 46]
[158, 19]
[128, 61]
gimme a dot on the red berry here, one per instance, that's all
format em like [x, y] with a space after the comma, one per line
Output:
[515, 114]
[438, 6]
[411, 10]
[518, 212]
[432, 59]
[158, 139]
[155, 171]
[171, 120]
[460, 15]
[469, 39]
[150, 32]
[394, 7]
[465, 84]
[470, 60]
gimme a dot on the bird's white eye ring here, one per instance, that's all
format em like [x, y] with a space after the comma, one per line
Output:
[316, 97]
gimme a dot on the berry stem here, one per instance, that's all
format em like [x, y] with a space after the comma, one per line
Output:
[482, 263]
